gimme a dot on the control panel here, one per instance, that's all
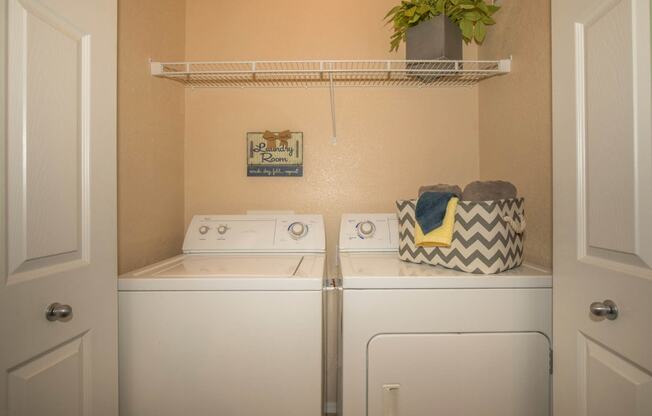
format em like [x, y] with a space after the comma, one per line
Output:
[369, 232]
[255, 233]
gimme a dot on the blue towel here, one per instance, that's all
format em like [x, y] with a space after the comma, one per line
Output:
[431, 208]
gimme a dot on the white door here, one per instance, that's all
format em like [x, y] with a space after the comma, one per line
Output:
[58, 211]
[602, 207]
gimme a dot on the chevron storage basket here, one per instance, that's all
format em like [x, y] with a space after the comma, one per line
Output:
[487, 237]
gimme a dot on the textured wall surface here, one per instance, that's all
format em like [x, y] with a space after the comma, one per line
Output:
[515, 116]
[150, 133]
[390, 141]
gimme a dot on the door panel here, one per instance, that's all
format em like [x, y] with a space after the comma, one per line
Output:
[48, 141]
[607, 44]
[613, 125]
[58, 210]
[602, 149]
[52, 139]
[36, 379]
[609, 384]
[459, 374]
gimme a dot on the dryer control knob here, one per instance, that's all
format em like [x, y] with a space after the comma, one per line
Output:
[203, 229]
[366, 229]
[297, 230]
[222, 229]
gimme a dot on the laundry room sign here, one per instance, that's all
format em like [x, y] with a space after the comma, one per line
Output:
[275, 153]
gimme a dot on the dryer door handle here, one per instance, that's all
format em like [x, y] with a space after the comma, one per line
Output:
[390, 399]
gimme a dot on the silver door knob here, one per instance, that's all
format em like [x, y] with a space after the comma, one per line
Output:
[607, 309]
[58, 312]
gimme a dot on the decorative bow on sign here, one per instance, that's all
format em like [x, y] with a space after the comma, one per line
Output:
[271, 138]
[284, 136]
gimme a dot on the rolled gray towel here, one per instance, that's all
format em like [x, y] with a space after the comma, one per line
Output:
[442, 187]
[489, 191]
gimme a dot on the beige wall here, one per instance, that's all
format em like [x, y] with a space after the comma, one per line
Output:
[390, 141]
[515, 116]
[150, 133]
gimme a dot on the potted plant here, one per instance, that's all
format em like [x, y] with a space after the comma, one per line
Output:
[434, 29]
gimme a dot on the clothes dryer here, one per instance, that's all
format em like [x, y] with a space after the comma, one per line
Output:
[423, 340]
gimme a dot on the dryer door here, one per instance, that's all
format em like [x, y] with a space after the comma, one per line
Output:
[490, 374]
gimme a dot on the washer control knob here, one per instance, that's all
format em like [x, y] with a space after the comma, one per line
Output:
[297, 230]
[366, 229]
[203, 229]
[222, 229]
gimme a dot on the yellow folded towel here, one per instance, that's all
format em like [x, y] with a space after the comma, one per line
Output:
[442, 236]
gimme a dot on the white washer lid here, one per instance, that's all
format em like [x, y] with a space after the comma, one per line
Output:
[387, 271]
[198, 272]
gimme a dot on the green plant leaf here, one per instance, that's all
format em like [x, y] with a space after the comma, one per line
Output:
[467, 29]
[393, 11]
[480, 32]
[473, 16]
[492, 8]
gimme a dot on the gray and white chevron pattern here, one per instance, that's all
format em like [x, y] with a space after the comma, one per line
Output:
[483, 242]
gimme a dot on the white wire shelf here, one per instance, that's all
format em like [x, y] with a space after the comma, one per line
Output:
[306, 74]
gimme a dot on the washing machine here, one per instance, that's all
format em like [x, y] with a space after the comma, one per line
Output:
[233, 326]
[423, 340]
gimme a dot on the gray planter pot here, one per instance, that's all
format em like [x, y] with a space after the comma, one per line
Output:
[437, 38]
